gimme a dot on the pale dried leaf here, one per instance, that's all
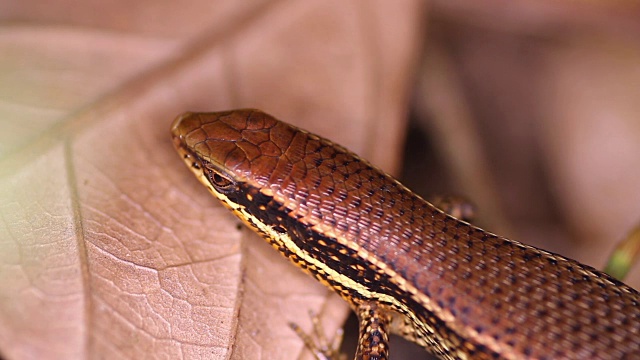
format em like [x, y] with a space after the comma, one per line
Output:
[109, 248]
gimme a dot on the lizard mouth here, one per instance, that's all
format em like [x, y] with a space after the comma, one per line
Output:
[189, 158]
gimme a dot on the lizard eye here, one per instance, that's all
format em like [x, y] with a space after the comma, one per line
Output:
[220, 182]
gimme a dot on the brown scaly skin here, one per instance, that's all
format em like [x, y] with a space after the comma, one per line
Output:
[453, 288]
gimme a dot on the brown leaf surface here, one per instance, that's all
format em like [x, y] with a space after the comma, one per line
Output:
[109, 248]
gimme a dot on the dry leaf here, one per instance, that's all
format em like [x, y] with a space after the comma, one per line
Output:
[109, 248]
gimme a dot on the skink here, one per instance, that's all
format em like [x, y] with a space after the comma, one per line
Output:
[403, 265]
